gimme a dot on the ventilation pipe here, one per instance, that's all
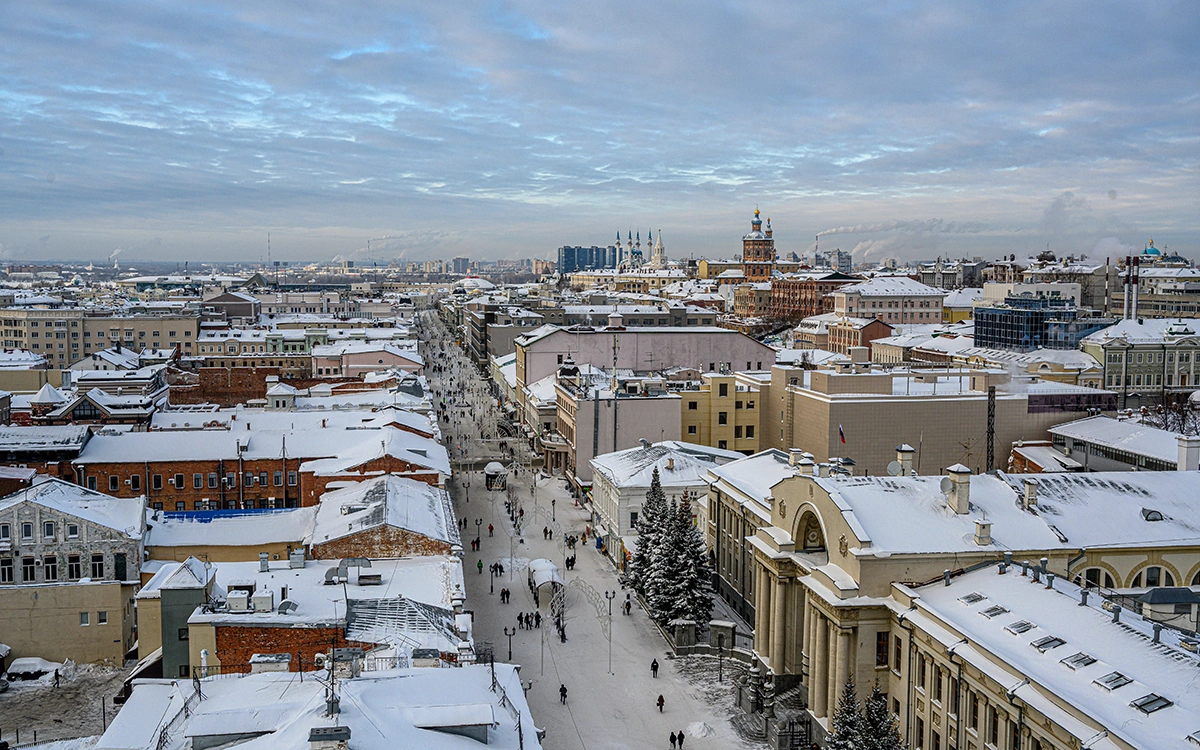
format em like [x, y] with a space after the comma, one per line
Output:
[904, 456]
[1116, 610]
[1031, 494]
[959, 495]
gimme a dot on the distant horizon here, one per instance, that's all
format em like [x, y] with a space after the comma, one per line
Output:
[191, 130]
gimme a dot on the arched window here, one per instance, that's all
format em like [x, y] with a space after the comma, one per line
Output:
[1153, 576]
[810, 536]
[1196, 579]
[1092, 578]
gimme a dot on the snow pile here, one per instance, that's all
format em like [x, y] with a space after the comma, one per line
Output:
[80, 743]
[700, 729]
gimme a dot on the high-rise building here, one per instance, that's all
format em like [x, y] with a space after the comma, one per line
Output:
[462, 265]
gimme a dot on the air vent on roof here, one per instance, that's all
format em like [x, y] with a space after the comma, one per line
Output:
[1078, 661]
[1047, 643]
[1148, 704]
[1020, 626]
[1151, 515]
[972, 598]
[1195, 736]
[993, 611]
[1112, 681]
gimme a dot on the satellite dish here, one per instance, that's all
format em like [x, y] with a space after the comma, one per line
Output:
[894, 468]
[947, 485]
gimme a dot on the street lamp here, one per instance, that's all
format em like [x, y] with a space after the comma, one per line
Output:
[510, 632]
[720, 653]
[610, 595]
[553, 502]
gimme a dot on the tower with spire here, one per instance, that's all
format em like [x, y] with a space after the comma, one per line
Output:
[758, 251]
[658, 256]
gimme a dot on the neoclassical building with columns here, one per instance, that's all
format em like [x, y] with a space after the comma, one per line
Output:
[828, 565]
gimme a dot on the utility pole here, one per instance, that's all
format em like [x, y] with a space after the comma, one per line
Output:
[991, 428]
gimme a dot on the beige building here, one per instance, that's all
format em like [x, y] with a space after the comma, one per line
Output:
[943, 415]
[66, 335]
[867, 579]
[723, 413]
[892, 299]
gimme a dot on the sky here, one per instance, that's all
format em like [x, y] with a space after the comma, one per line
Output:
[381, 130]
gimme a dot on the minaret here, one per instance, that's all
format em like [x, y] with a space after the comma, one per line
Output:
[620, 255]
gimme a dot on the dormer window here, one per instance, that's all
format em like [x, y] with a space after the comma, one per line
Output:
[1112, 681]
[1148, 704]
[1020, 626]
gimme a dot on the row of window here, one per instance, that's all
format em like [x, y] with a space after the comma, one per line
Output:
[199, 481]
[737, 431]
[49, 565]
[1150, 358]
[48, 531]
[230, 504]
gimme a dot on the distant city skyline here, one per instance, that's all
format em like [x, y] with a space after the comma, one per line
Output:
[188, 131]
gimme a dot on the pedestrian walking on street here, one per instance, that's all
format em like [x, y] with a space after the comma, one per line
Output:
[660, 703]
[490, 529]
[680, 739]
[480, 565]
[537, 619]
[562, 694]
[56, 678]
[654, 668]
[674, 740]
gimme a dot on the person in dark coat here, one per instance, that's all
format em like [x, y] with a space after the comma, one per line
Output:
[674, 740]
[654, 668]
[660, 703]
[680, 739]
[562, 694]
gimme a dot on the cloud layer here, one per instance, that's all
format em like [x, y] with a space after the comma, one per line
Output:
[504, 129]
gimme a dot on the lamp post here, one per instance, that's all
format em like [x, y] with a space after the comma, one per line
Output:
[720, 653]
[510, 632]
[553, 502]
[610, 595]
[492, 578]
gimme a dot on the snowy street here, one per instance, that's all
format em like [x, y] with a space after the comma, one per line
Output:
[602, 710]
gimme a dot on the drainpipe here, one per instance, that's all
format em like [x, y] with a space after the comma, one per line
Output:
[958, 716]
[1011, 695]
[1071, 563]
[908, 708]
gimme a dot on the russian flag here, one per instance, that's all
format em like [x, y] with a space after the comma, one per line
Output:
[841, 434]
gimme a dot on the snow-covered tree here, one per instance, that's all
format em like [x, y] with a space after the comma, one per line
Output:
[847, 722]
[664, 579]
[696, 573]
[879, 730]
[650, 523]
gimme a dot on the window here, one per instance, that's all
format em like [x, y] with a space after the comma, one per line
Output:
[1092, 576]
[74, 568]
[6, 570]
[974, 711]
[178, 481]
[1078, 661]
[249, 480]
[919, 737]
[180, 505]
[1154, 576]
[156, 481]
[72, 531]
[722, 390]
[1020, 626]
[27, 531]
[101, 618]
[135, 482]
[113, 483]
[994, 726]
[692, 406]
[1047, 643]
[993, 611]
[5, 531]
[262, 479]
[921, 672]
[84, 619]
[291, 479]
[212, 481]
[278, 479]
[691, 429]
[98, 566]
[28, 570]
[737, 431]
[1112, 681]
[183, 634]
[1148, 704]
[881, 648]
[723, 417]
[749, 431]
[897, 653]
[48, 529]
[737, 404]
[750, 404]
[198, 481]
[722, 444]
[50, 568]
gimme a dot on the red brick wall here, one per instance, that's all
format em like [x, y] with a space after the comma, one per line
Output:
[226, 386]
[169, 495]
[381, 542]
[237, 643]
[315, 486]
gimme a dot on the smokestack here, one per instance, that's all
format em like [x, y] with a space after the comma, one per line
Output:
[1125, 287]
[1137, 262]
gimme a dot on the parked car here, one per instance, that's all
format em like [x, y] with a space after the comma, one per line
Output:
[31, 668]
[3, 684]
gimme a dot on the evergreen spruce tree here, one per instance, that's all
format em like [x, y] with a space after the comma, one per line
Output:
[847, 722]
[696, 580]
[879, 730]
[649, 526]
[664, 578]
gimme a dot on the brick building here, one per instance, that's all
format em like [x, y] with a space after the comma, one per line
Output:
[806, 293]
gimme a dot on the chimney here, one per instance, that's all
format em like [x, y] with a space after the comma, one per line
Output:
[1083, 595]
[983, 532]
[670, 463]
[822, 470]
[296, 559]
[959, 496]
[1189, 452]
[795, 456]
[904, 456]
[615, 319]
[264, 566]
[946, 576]
[1030, 500]
[1116, 610]
[329, 738]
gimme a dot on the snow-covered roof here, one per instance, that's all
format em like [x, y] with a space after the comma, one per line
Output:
[814, 356]
[1132, 437]
[689, 464]
[910, 514]
[48, 394]
[1144, 331]
[962, 298]
[20, 359]
[389, 500]
[754, 476]
[891, 286]
[243, 530]
[381, 710]
[122, 514]
[42, 438]
[1126, 647]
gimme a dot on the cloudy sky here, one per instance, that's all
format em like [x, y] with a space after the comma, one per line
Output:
[189, 130]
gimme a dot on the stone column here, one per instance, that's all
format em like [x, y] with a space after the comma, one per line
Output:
[843, 658]
[832, 688]
[806, 641]
[778, 610]
[820, 665]
[762, 612]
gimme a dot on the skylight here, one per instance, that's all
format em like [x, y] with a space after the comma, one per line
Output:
[993, 611]
[1112, 681]
[1047, 643]
[1148, 704]
[972, 598]
[1020, 626]
[1079, 661]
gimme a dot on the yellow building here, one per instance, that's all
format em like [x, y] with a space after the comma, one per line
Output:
[723, 413]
